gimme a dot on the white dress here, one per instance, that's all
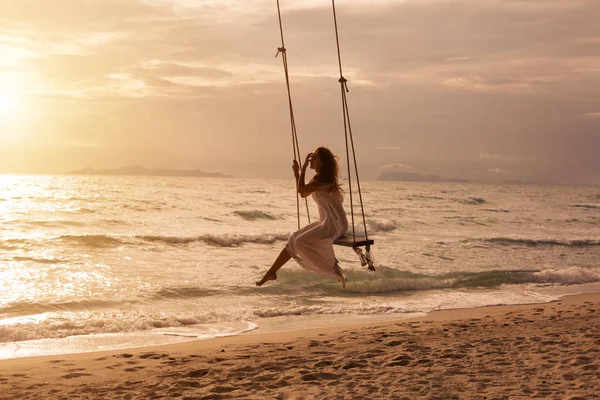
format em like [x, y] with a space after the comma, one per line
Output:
[312, 245]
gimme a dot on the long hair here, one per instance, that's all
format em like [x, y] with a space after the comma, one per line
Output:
[329, 173]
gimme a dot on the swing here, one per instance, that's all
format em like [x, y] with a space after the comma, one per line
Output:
[354, 241]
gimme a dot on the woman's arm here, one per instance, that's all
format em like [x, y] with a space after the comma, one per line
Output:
[305, 189]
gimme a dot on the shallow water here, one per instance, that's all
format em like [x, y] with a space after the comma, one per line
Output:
[107, 255]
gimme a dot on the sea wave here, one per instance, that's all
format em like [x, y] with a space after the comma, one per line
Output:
[252, 215]
[108, 241]
[54, 223]
[531, 242]
[92, 240]
[14, 244]
[300, 310]
[28, 321]
[61, 325]
[39, 260]
[31, 308]
[388, 280]
[189, 292]
[569, 276]
[225, 240]
[381, 225]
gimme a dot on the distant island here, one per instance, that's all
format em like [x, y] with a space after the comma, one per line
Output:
[138, 170]
[415, 177]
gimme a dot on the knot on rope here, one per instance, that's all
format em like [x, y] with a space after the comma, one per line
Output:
[370, 260]
[280, 50]
[366, 259]
[361, 256]
[344, 83]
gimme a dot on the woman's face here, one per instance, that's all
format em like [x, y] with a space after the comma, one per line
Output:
[315, 161]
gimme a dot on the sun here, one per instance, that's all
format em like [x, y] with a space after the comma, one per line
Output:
[8, 103]
[12, 113]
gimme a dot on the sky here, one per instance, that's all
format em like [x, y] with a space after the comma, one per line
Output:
[486, 90]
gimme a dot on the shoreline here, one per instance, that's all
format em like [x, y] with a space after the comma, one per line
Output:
[298, 330]
[284, 324]
[516, 351]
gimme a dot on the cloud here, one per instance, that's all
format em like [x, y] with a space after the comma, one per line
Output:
[388, 148]
[458, 58]
[467, 86]
[500, 157]
[497, 170]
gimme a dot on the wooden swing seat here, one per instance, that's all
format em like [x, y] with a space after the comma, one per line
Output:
[348, 241]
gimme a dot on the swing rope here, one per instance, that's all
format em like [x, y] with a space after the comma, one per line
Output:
[348, 134]
[296, 148]
[367, 258]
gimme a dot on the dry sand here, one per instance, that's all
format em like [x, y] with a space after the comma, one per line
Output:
[544, 351]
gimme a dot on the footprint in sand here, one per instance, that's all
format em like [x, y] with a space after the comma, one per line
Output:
[354, 364]
[74, 375]
[134, 369]
[152, 356]
[319, 376]
[198, 373]
[394, 343]
[402, 361]
[223, 389]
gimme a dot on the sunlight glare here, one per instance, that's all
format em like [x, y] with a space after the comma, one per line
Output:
[12, 92]
[9, 103]
[11, 116]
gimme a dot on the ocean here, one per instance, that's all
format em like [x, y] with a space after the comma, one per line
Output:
[93, 263]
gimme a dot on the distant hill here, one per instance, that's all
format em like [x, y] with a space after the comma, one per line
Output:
[138, 170]
[415, 177]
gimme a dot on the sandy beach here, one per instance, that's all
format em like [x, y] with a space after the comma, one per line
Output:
[544, 351]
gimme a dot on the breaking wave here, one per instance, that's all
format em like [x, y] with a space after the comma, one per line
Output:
[381, 225]
[509, 241]
[388, 280]
[568, 276]
[225, 240]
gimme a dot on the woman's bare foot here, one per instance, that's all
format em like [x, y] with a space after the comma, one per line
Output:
[269, 276]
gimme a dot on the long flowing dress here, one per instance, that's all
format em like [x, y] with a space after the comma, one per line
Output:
[312, 245]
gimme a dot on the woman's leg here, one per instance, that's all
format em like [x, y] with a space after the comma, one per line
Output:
[271, 274]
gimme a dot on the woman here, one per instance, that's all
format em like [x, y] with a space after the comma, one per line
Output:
[312, 246]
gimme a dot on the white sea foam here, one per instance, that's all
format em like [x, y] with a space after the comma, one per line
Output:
[571, 276]
[381, 225]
